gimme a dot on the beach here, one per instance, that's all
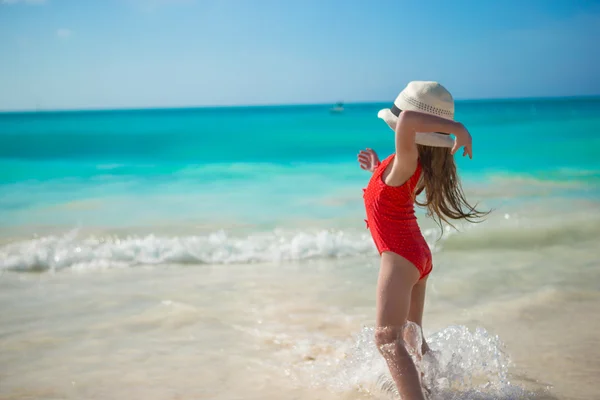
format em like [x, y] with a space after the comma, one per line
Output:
[167, 254]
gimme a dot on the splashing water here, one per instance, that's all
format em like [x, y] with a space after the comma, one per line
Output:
[462, 365]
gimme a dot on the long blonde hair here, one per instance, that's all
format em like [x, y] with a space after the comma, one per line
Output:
[444, 196]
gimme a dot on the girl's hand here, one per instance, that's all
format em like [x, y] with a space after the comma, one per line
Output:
[368, 160]
[463, 139]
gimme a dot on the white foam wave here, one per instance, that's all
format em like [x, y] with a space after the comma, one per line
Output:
[73, 251]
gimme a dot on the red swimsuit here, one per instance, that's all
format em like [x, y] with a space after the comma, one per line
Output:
[392, 221]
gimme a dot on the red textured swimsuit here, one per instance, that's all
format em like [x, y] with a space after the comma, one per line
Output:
[392, 221]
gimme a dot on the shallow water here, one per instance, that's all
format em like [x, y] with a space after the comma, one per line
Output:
[503, 323]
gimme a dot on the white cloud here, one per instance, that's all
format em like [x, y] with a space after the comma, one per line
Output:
[64, 33]
[22, 1]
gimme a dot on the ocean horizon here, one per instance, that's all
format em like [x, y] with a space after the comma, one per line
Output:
[383, 103]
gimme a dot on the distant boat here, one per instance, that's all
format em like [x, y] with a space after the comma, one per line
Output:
[338, 108]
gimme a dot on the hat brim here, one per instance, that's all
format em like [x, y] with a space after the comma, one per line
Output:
[423, 138]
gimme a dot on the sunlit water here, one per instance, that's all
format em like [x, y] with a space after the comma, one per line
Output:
[169, 255]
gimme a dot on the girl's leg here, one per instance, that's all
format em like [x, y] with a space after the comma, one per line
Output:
[417, 304]
[397, 276]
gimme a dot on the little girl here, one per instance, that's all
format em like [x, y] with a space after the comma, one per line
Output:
[423, 161]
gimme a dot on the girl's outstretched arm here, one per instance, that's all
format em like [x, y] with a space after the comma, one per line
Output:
[368, 160]
[411, 122]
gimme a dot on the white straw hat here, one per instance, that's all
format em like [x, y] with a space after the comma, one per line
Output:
[426, 97]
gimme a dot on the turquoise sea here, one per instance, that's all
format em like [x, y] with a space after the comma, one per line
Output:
[257, 165]
[189, 231]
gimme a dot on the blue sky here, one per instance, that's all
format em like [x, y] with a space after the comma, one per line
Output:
[57, 54]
